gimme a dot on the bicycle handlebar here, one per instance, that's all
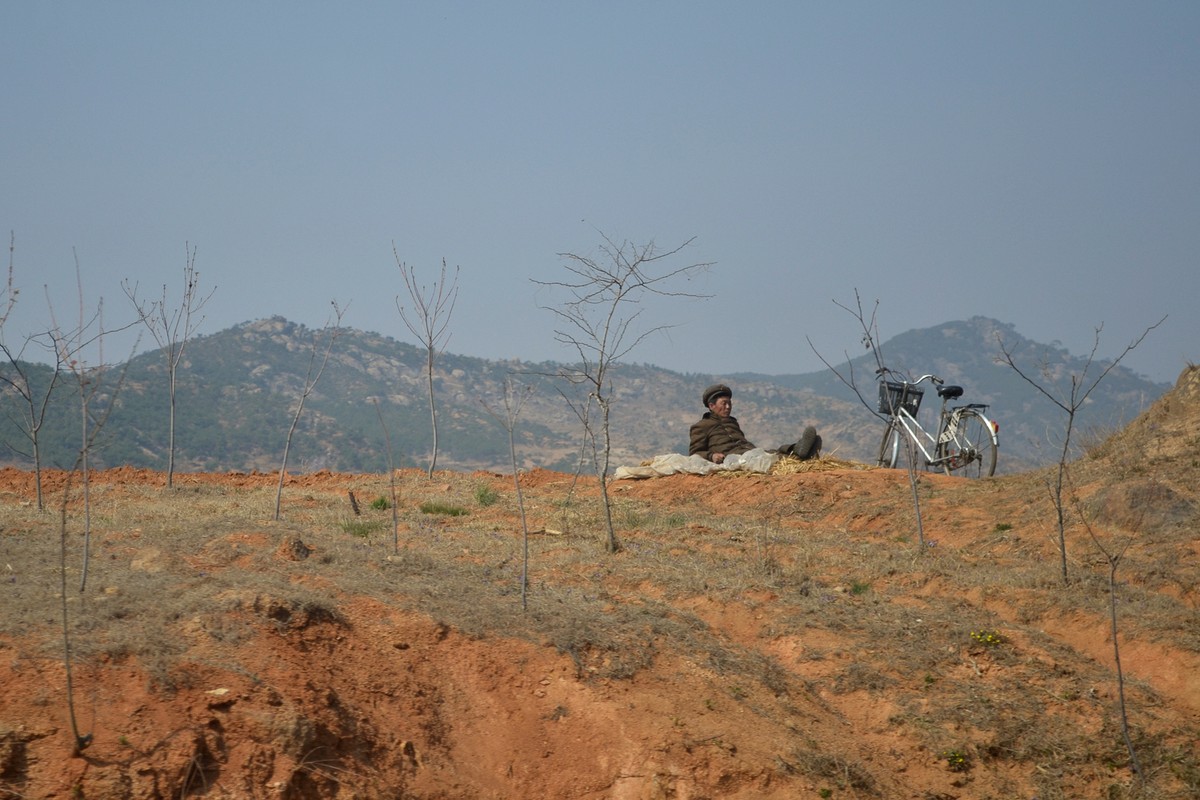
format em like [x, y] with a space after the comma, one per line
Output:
[934, 379]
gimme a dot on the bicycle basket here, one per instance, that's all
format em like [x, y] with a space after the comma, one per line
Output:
[893, 396]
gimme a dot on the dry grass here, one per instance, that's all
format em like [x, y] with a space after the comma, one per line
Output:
[899, 619]
[789, 465]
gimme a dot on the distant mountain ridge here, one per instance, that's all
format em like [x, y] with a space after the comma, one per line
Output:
[238, 388]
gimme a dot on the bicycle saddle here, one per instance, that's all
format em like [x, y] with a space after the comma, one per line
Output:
[950, 392]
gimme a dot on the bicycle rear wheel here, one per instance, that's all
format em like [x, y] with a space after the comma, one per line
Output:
[889, 448]
[972, 451]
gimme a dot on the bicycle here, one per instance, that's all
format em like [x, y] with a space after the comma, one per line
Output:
[966, 441]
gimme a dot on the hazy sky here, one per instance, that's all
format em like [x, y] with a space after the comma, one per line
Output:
[1034, 162]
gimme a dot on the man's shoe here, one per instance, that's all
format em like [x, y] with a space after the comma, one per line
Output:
[809, 444]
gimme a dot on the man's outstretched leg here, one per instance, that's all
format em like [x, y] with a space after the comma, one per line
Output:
[808, 445]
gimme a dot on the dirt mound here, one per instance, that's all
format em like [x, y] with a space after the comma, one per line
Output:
[1168, 431]
[801, 634]
[1145, 477]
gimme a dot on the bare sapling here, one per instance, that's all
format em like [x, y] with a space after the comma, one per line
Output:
[391, 465]
[172, 328]
[25, 388]
[869, 326]
[1070, 401]
[97, 398]
[322, 345]
[600, 322]
[34, 404]
[429, 320]
[512, 402]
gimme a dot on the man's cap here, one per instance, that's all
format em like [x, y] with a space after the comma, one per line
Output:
[715, 391]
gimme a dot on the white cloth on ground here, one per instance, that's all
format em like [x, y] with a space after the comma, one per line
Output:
[756, 460]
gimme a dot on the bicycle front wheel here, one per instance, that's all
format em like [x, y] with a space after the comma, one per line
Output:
[971, 453]
[889, 448]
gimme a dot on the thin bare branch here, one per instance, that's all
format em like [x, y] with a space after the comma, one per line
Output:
[10, 291]
[870, 340]
[1114, 556]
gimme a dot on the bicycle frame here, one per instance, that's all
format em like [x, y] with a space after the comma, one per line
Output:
[911, 428]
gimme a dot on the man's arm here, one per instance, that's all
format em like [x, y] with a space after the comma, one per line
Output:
[698, 444]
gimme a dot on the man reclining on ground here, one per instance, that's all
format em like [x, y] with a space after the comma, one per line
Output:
[718, 433]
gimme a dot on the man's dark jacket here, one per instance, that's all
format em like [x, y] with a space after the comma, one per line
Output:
[715, 435]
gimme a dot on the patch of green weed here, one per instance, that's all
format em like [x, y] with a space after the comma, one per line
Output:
[956, 760]
[446, 509]
[361, 527]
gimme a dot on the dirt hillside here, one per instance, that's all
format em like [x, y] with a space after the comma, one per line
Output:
[800, 634]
